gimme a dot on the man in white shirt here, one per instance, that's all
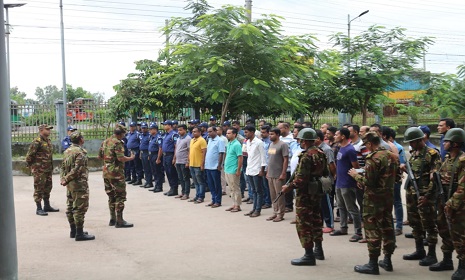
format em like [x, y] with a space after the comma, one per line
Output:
[255, 171]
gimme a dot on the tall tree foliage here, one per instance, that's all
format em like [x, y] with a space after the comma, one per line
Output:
[379, 60]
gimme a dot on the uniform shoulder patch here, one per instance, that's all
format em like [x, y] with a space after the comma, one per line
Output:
[432, 152]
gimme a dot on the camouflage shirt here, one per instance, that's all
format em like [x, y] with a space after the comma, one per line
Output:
[456, 195]
[430, 160]
[110, 151]
[74, 166]
[381, 170]
[312, 165]
[39, 155]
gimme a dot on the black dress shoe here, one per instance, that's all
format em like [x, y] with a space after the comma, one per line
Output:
[157, 190]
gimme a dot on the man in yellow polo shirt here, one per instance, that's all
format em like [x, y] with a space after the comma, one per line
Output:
[196, 161]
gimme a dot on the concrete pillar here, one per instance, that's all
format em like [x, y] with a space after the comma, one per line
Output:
[61, 122]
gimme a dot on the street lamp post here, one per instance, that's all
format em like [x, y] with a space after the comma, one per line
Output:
[7, 33]
[348, 34]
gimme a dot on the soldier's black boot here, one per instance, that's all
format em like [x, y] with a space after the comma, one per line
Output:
[72, 233]
[419, 253]
[48, 208]
[39, 210]
[431, 257]
[307, 259]
[370, 268]
[81, 235]
[445, 264]
[120, 222]
[318, 251]
[459, 274]
[386, 263]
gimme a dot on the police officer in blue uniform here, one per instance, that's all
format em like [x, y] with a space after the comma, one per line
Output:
[212, 121]
[66, 141]
[136, 164]
[192, 123]
[156, 141]
[144, 137]
[226, 126]
[167, 150]
[175, 125]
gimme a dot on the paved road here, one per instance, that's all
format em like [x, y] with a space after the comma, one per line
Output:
[175, 239]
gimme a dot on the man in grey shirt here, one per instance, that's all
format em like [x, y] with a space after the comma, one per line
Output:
[278, 159]
[327, 201]
[182, 161]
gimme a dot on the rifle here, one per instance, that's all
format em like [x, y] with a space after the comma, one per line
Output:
[277, 198]
[412, 178]
[437, 180]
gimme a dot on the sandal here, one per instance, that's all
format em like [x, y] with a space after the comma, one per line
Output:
[198, 201]
[192, 200]
[278, 219]
[271, 218]
[356, 237]
[230, 208]
[209, 204]
[184, 197]
[216, 205]
[236, 209]
[338, 233]
[363, 240]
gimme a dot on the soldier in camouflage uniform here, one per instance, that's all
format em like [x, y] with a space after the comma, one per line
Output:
[74, 175]
[452, 229]
[39, 159]
[112, 153]
[381, 170]
[421, 212]
[306, 180]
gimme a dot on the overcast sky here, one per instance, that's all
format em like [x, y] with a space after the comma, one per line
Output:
[103, 38]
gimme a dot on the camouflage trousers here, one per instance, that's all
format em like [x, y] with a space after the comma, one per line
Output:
[116, 191]
[421, 219]
[42, 185]
[77, 203]
[308, 218]
[378, 222]
[457, 229]
[443, 228]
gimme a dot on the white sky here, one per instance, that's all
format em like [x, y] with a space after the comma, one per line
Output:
[103, 38]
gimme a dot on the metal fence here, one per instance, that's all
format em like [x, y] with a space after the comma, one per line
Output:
[94, 121]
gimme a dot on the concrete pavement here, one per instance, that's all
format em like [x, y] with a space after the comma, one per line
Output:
[174, 239]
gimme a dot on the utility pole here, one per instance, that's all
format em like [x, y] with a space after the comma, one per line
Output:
[62, 123]
[348, 35]
[8, 249]
[424, 61]
[167, 42]
[248, 7]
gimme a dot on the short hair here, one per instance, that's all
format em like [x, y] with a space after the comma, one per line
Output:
[250, 128]
[183, 126]
[393, 133]
[119, 131]
[233, 130]
[268, 124]
[347, 124]
[449, 122]
[332, 129]
[320, 135]
[376, 125]
[328, 124]
[308, 124]
[373, 138]
[195, 129]
[386, 131]
[213, 128]
[355, 127]
[236, 122]
[265, 127]
[344, 131]
[285, 124]
[276, 131]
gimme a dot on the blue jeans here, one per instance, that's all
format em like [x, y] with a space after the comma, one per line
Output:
[184, 178]
[170, 171]
[214, 183]
[255, 183]
[198, 178]
[266, 191]
[145, 158]
[398, 210]
[327, 210]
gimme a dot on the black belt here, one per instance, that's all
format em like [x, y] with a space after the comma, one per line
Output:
[144, 151]
[168, 153]
[154, 153]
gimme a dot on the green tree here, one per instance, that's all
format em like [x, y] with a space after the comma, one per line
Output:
[48, 94]
[18, 96]
[379, 59]
[245, 67]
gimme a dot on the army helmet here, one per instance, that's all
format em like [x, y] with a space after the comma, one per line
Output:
[74, 137]
[412, 134]
[455, 135]
[307, 134]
